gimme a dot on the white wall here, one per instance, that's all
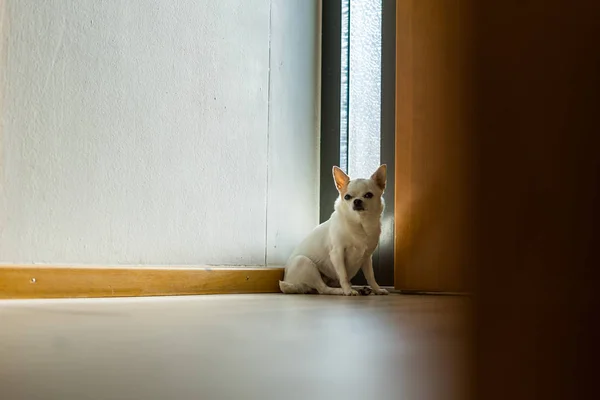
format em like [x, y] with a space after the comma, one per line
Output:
[157, 132]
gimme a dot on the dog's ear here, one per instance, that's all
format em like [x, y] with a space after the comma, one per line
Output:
[341, 179]
[380, 176]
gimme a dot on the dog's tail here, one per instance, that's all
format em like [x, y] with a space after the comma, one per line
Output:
[290, 288]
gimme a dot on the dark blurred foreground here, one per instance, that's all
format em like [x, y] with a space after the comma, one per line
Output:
[534, 108]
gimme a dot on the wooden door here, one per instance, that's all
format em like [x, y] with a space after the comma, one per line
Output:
[524, 214]
[431, 169]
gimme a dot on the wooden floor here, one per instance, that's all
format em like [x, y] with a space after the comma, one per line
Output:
[234, 347]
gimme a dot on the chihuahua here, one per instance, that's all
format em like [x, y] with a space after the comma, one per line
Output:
[334, 251]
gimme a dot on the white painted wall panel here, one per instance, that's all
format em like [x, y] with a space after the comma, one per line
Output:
[138, 132]
[292, 209]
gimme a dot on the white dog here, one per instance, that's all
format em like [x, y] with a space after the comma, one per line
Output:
[335, 250]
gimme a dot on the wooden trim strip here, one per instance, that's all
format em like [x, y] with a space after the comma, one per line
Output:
[36, 282]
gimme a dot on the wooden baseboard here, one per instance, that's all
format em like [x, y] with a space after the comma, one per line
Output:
[36, 282]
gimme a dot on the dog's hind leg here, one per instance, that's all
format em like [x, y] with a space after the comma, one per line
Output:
[295, 288]
[301, 275]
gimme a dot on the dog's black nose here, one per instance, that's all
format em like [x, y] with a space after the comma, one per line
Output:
[357, 202]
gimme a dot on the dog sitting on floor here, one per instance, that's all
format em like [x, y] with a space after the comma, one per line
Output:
[331, 255]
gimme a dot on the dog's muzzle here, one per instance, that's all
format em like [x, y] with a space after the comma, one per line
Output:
[358, 205]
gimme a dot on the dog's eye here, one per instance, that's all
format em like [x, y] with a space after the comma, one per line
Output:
[347, 197]
[368, 195]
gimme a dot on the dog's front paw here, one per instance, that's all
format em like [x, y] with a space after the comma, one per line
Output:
[380, 292]
[350, 292]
